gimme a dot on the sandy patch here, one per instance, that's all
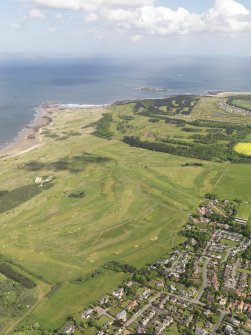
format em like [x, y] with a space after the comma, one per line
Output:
[155, 238]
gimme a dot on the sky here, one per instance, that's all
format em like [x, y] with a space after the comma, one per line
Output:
[126, 27]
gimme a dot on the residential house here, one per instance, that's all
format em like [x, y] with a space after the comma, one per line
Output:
[87, 314]
[119, 293]
[122, 316]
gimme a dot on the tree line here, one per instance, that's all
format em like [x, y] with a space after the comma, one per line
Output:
[10, 273]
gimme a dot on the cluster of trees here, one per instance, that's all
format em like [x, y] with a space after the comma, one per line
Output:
[185, 104]
[10, 273]
[201, 238]
[55, 287]
[103, 129]
[143, 276]
[154, 120]
[87, 276]
[192, 164]
[186, 278]
[219, 124]
[181, 104]
[210, 138]
[17, 196]
[175, 141]
[211, 196]
[2, 193]
[118, 267]
[22, 268]
[217, 144]
[123, 126]
[247, 254]
[215, 152]
[126, 117]
[78, 194]
[138, 106]
[190, 130]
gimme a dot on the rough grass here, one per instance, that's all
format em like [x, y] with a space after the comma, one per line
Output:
[71, 299]
[228, 242]
[244, 270]
[172, 330]
[17, 196]
[135, 204]
[232, 182]
[132, 210]
[244, 211]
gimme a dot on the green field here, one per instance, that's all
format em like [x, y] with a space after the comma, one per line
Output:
[228, 242]
[244, 270]
[135, 202]
[172, 330]
[241, 102]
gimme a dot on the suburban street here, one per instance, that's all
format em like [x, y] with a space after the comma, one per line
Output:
[217, 325]
[140, 312]
[204, 280]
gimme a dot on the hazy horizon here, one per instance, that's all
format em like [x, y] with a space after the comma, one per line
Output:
[145, 27]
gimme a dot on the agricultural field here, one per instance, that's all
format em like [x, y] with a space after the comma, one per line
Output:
[243, 148]
[107, 200]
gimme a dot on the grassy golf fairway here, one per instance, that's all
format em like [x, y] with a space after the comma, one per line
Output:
[105, 200]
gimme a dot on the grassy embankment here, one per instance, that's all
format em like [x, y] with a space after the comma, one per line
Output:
[135, 203]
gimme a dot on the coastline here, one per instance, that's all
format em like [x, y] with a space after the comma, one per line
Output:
[29, 137]
[223, 94]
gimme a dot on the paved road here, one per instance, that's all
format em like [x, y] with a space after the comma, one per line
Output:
[192, 301]
[204, 280]
[235, 267]
[217, 325]
[140, 312]
[243, 332]
[226, 257]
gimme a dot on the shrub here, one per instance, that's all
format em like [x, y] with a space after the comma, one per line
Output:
[10, 273]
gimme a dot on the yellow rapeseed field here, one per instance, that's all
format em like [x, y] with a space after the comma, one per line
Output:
[243, 148]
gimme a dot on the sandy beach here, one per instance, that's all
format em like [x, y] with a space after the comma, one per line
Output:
[227, 94]
[30, 137]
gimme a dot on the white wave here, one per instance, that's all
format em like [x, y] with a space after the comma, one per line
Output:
[81, 106]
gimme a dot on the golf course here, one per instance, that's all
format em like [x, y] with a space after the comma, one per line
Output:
[112, 183]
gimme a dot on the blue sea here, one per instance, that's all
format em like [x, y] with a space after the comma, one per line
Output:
[26, 83]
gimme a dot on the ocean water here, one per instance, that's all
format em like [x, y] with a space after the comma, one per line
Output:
[27, 82]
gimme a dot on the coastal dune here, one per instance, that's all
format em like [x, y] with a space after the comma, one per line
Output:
[31, 136]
